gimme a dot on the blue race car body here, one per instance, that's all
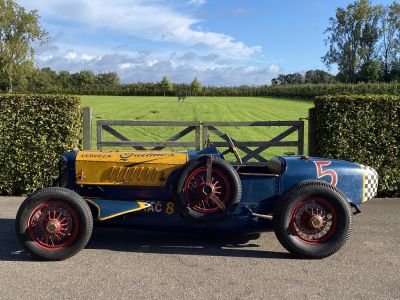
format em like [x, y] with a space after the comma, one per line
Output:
[153, 207]
[308, 200]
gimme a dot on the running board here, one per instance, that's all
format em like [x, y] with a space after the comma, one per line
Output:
[107, 209]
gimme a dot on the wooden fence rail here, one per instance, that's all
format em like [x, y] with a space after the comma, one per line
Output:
[106, 125]
[211, 128]
[208, 129]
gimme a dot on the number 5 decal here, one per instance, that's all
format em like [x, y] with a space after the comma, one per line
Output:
[327, 172]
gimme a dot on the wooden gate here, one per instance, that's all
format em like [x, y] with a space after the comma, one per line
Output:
[173, 141]
[209, 129]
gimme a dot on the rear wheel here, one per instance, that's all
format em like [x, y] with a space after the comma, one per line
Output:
[313, 220]
[54, 223]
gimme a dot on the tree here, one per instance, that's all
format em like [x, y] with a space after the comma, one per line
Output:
[353, 36]
[195, 86]
[166, 85]
[370, 71]
[390, 43]
[19, 29]
[294, 78]
[43, 80]
[108, 80]
[318, 76]
[395, 72]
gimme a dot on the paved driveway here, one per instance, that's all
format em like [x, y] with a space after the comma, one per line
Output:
[127, 264]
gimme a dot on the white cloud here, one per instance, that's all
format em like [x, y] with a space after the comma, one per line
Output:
[273, 68]
[152, 20]
[147, 68]
[71, 55]
[124, 66]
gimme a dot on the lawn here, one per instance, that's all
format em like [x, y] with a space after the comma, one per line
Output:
[205, 109]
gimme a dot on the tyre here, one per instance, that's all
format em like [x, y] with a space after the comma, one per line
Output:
[313, 219]
[194, 195]
[54, 223]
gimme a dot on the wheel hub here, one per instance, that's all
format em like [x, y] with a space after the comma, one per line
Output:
[316, 221]
[53, 226]
[208, 189]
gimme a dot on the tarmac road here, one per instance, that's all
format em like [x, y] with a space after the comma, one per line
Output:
[128, 264]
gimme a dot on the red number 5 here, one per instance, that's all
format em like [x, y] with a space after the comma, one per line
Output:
[328, 172]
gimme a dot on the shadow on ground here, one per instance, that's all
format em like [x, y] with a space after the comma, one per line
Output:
[149, 242]
[10, 248]
[173, 243]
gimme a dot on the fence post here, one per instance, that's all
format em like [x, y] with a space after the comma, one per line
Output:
[197, 138]
[87, 128]
[300, 148]
[99, 140]
[311, 131]
[205, 135]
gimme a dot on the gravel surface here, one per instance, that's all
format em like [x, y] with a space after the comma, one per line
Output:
[128, 264]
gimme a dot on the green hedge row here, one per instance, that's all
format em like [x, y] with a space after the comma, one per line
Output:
[34, 131]
[363, 129]
[303, 91]
[310, 91]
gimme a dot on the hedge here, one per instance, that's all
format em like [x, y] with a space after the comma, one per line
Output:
[302, 91]
[34, 131]
[363, 129]
[310, 91]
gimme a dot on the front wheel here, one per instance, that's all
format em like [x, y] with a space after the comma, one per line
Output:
[313, 220]
[54, 223]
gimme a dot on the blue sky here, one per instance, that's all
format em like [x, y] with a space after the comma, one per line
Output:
[219, 41]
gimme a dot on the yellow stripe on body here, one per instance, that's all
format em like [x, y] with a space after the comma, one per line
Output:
[142, 205]
[363, 198]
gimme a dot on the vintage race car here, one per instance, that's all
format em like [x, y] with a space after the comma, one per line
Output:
[308, 201]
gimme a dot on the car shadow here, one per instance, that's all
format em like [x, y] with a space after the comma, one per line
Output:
[10, 248]
[242, 245]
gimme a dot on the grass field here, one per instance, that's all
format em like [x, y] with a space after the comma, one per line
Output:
[203, 109]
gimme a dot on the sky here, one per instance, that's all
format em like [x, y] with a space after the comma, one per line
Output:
[221, 42]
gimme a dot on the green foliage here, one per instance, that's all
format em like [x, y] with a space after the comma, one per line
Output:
[353, 37]
[363, 129]
[390, 39]
[166, 85]
[294, 78]
[309, 91]
[19, 30]
[318, 76]
[47, 81]
[370, 71]
[195, 86]
[361, 34]
[34, 131]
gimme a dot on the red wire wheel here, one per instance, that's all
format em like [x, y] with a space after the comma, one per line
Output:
[207, 202]
[314, 220]
[53, 225]
[197, 192]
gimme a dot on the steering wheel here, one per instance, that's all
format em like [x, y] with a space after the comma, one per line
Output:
[233, 149]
